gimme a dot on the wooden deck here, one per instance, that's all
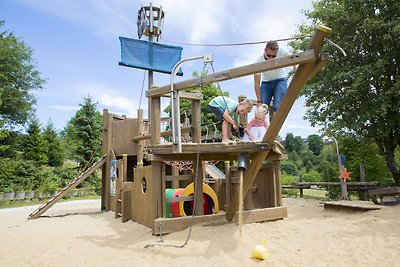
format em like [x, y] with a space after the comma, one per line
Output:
[351, 205]
[213, 151]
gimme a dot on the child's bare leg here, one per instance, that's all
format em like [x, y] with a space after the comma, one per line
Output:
[225, 132]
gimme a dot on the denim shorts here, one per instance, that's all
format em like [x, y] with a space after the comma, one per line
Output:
[218, 111]
[276, 89]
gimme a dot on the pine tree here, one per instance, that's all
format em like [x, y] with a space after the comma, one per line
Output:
[55, 152]
[84, 131]
[35, 147]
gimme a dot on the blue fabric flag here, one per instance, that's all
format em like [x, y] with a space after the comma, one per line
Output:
[149, 56]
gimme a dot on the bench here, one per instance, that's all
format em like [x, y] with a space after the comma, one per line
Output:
[385, 196]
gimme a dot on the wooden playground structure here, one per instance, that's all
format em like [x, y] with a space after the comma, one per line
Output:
[137, 179]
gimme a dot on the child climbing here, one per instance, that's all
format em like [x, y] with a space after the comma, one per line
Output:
[256, 128]
[227, 110]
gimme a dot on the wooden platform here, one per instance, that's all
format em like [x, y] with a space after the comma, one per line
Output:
[355, 205]
[212, 151]
[390, 194]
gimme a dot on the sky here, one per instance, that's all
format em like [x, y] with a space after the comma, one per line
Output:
[76, 48]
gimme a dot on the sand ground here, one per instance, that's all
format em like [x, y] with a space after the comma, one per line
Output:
[78, 234]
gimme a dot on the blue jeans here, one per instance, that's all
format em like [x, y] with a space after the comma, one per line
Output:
[275, 88]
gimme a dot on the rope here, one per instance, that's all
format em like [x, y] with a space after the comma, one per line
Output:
[337, 46]
[141, 93]
[238, 44]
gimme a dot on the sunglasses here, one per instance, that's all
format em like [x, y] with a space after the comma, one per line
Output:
[271, 56]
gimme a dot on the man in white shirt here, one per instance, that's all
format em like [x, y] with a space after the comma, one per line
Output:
[273, 82]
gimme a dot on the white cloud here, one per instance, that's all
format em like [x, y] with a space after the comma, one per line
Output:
[64, 108]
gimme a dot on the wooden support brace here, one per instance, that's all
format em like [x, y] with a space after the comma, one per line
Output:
[302, 75]
[277, 63]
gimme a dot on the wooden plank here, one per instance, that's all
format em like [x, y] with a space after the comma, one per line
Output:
[196, 121]
[185, 129]
[67, 189]
[140, 131]
[335, 183]
[262, 215]
[125, 205]
[277, 63]
[163, 189]
[299, 80]
[170, 225]
[183, 177]
[156, 188]
[106, 149]
[278, 182]
[122, 131]
[388, 191]
[211, 148]
[107, 140]
[228, 183]
[155, 125]
[187, 95]
[175, 182]
[351, 205]
[198, 187]
[179, 199]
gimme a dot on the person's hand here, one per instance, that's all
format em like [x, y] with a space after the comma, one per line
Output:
[259, 103]
[235, 126]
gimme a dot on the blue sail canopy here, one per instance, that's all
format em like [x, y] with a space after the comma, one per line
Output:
[149, 56]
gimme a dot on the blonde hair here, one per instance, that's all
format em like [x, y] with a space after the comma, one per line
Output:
[262, 109]
[248, 104]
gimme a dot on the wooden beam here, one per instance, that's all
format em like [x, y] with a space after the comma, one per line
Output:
[277, 63]
[186, 129]
[300, 78]
[186, 95]
[170, 225]
[261, 215]
[216, 148]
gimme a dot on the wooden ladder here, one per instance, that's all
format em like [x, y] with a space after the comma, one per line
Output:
[123, 191]
[68, 188]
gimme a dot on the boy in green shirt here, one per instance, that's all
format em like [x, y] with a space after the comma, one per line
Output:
[227, 110]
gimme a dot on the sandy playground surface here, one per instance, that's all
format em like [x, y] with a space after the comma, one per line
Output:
[78, 234]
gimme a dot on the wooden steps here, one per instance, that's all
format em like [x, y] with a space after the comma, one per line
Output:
[68, 188]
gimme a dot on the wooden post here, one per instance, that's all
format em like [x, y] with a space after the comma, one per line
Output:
[140, 131]
[155, 139]
[363, 194]
[198, 187]
[196, 121]
[197, 165]
[124, 167]
[299, 80]
[175, 172]
[107, 139]
[242, 117]
[301, 188]
[228, 184]
[278, 183]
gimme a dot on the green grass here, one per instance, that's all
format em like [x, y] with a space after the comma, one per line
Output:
[5, 203]
[307, 193]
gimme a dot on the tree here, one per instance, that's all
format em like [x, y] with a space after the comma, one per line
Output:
[208, 91]
[359, 94]
[18, 79]
[315, 144]
[293, 143]
[35, 146]
[84, 131]
[55, 152]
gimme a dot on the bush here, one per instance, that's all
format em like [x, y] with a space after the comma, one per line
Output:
[312, 176]
[290, 168]
[288, 179]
